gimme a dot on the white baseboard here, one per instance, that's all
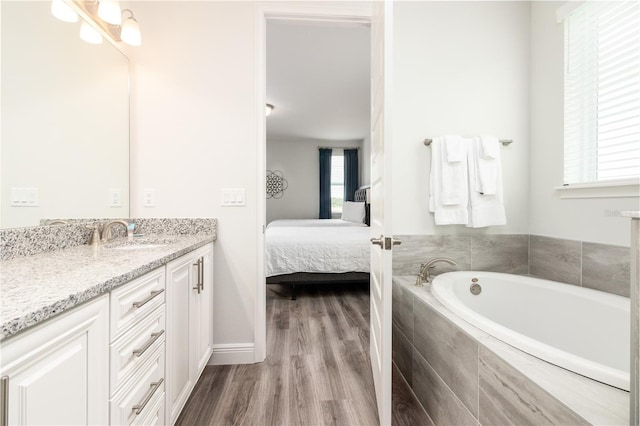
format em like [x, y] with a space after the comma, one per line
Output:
[233, 353]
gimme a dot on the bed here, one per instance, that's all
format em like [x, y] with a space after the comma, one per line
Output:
[315, 251]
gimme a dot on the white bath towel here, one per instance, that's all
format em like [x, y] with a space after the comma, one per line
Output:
[485, 209]
[487, 155]
[449, 191]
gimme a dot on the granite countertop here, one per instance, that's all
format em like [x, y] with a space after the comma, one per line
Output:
[35, 288]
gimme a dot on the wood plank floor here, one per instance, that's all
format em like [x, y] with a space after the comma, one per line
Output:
[317, 370]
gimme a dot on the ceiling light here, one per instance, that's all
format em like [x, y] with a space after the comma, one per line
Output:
[89, 34]
[130, 33]
[109, 11]
[268, 109]
[63, 11]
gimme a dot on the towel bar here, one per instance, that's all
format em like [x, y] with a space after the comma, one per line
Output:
[504, 142]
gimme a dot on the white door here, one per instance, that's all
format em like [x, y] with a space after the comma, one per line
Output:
[58, 373]
[380, 350]
[203, 318]
[180, 276]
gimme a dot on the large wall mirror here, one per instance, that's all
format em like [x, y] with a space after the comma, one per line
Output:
[64, 148]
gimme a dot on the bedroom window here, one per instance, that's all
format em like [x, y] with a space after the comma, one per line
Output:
[337, 182]
[602, 92]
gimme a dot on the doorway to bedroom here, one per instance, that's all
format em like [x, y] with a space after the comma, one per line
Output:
[317, 249]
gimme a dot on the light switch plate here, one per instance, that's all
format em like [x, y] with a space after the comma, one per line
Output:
[24, 197]
[232, 197]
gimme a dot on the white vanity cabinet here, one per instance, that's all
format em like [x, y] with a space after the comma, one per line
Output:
[190, 323]
[58, 372]
[103, 362]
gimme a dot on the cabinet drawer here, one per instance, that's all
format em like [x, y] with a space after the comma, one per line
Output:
[139, 395]
[155, 416]
[134, 301]
[135, 347]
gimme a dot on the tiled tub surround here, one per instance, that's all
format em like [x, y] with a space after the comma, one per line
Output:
[18, 242]
[35, 288]
[464, 376]
[496, 253]
[599, 266]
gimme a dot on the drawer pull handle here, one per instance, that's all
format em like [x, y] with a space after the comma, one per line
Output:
[4, 408]
[154, 337]
[154, 387]
[148, 299]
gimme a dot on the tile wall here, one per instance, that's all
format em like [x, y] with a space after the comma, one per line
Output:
[598, 266]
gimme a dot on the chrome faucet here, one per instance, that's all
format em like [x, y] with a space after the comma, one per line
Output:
[106, 231]
[424, 276]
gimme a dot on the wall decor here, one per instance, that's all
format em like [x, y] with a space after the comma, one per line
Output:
[276, 184]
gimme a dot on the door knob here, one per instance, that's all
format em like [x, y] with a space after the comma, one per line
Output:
[378, 241]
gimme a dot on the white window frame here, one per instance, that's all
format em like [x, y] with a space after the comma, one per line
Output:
[615, 188]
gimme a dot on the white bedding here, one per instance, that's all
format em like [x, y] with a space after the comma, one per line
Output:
[325, 249]
[311, 223]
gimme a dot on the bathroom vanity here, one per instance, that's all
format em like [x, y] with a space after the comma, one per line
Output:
[111, 334]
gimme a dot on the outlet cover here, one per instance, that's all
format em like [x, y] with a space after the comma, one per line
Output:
[115, 197]
[148, 198]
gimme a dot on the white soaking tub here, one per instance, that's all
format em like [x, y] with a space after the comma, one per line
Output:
[585, 331]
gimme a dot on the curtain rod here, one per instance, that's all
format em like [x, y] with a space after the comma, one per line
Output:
[338, 147]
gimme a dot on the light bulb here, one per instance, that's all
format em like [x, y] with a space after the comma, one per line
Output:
[130, 33]
[89, 34]
[63, 11]
[109, 11]
[268, 109]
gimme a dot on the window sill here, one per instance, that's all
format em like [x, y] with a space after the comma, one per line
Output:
[607, 189]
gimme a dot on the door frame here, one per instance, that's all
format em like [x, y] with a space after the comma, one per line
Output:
[301, 11]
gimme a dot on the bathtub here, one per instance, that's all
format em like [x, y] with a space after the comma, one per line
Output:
[582, 330]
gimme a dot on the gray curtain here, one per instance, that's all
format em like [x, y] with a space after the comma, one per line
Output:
[351, 183]
[325, 184]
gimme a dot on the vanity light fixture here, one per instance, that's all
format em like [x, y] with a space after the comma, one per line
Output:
[89, 34]
[105, 14]
[268, 109]
[109, 12]
[130, 33]
[63, 12]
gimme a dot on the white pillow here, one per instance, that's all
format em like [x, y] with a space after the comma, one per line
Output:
[353, 211]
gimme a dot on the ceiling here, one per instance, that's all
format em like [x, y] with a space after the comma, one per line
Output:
[318, 80]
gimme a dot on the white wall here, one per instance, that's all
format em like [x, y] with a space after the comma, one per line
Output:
[194, 133]
[591, 220]
[459, 67]
[298, 162]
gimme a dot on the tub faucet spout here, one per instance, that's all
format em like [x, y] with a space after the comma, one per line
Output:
[424, 276]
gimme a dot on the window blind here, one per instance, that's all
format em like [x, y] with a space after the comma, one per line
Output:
[602, 92]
